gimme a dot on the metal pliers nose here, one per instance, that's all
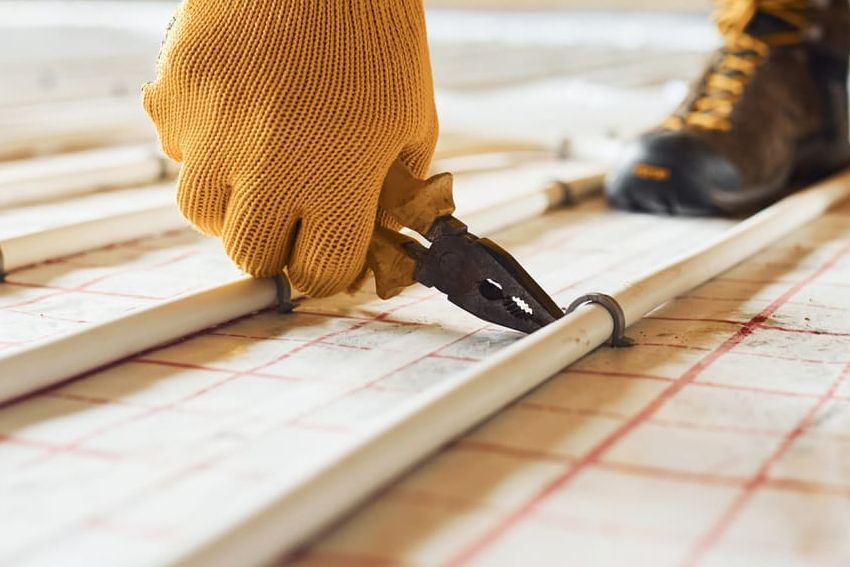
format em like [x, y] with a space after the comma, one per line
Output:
[476, 274]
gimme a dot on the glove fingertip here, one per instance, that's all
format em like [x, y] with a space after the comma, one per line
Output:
[148, 95]
[327, 260]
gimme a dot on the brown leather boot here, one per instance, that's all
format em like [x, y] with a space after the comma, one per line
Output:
[768, 114]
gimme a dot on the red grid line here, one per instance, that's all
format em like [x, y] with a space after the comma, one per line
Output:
[606, 268]
[455, 358]
[555, 519]
[650, 471]
[695, 320]
[284, 356]
[745, 299]
[672, 346]
[805, 486]
[32, 300]
[132, 358]
[627, 469]
[99, 401]
[51, 448]
[383, 317]
[208, 464]
[594, 456]
[77, 446]
[389, 320]
[763, 325]
[793, 358]
[684, 424]
[722, 525]
[213, 369]
[754, 389]
[66, 291]
[369, 320]
[60, 291]
[751, 354]
[778, 281]
[804, 331]
[299, 419]
[701, 383]
[69, 259]
[101, 278]
[51, 318]
[671, 423]
[451, 503]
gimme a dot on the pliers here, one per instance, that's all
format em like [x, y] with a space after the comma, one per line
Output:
[475, 273]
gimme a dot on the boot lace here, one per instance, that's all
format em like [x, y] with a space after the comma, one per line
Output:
[739, 57]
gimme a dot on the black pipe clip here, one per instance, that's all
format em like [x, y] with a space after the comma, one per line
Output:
[612, 306]
[285, 306]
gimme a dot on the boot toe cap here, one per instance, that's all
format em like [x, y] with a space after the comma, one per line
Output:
[671, 173]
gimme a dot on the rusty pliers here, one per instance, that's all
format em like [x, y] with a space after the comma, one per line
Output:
[475, 273]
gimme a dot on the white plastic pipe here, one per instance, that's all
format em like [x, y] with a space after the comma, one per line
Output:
[392, 446]
[72, 125]
[51, 362]
[554, 194]
[63, 241]
[59, 359]
[65, 175]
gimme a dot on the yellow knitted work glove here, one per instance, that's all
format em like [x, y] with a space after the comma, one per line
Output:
[287, 115]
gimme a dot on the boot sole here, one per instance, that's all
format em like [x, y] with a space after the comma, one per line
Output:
[816, 159]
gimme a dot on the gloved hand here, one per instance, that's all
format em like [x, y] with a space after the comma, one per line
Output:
[287, 115]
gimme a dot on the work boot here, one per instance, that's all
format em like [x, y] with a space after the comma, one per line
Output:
[768, 114]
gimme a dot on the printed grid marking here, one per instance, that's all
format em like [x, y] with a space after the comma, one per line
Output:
[39, 217]
[262, 400]
[719, 439]
[151, 386]
[310, 381]
[64, 295]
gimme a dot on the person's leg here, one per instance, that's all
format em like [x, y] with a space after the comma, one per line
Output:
[770, 111]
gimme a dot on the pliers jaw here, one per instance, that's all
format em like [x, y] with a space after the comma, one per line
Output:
[475, 274]
[480, 277]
